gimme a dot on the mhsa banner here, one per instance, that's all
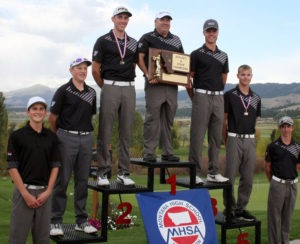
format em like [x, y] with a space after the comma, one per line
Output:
[184, 218]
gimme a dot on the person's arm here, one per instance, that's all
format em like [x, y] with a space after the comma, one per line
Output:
[96, 67]
[225, 128]
[46, 194]
[144, 69]
[30, 200]
[52, 120]
[189, 87]
[268, 170]
[224, 78]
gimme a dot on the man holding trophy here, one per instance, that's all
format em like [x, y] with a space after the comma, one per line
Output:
[161, 98]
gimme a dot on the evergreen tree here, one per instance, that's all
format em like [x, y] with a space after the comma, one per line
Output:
[3, 132]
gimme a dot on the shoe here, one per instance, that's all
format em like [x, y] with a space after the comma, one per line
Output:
[216, 178]
[150, 158]
[56, 230]
[244, 215]
[199, 181]
[125, 180]
[86, 228]
[171, 158]
[102, 181]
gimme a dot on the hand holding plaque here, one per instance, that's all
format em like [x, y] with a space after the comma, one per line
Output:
[168, 67]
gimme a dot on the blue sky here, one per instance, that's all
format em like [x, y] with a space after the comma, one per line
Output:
[39, 38]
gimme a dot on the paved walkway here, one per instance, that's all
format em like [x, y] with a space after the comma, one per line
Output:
[295, 242]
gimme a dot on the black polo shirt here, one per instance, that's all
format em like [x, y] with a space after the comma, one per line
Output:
[238, 122]
[153, 39]
[208, 67]
[74, 108]
[33, 154]
[283, 159]
[107, 53]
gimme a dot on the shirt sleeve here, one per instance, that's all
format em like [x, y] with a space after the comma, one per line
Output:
[12, 159]
[98, 51]
[57, 101]
[143, 45]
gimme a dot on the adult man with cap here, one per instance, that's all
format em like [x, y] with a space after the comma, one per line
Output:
[33, 160]
[72, 108]
[282, 161]
[161, 99]
[209, 68]
[114, 60]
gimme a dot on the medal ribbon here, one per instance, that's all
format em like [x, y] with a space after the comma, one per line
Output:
[122, 55]
[244, 105]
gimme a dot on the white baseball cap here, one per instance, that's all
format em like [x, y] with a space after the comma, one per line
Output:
[162, 14]
[286, 120]
[78, 61]
[121, 10]
[34, 100]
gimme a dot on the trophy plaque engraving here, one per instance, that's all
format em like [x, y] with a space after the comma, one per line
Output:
[168, 67]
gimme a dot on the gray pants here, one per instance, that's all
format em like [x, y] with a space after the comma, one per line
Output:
[24, 219]
[76, 154]
[207, 114]
[240, 159]
[281, 204]
[115, 100]
[161, 105]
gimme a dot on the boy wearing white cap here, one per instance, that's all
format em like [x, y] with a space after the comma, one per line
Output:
[114, 60]
[161, 99]
[282, 161]
[33, 160]
[72, 108]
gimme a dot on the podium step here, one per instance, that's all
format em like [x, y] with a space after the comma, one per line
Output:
[117, 188]
[185, 182]
[73, 236]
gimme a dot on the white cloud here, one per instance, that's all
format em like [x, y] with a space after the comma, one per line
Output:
[39, 38]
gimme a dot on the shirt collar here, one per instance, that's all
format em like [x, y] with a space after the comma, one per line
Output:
[209, 50]
[169, 35]
[239, 91]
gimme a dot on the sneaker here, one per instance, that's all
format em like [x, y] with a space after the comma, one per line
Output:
[244, 215]
[102, 181]
[199, 181]
[125, 180]
[86, 228]
[150, 158]
[171, 158]
[216, 178]
[56, 230]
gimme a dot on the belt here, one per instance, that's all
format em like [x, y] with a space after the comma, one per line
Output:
[241, 135]
[79, 133]
[202, 91]
[34, 187]
[285, 181]
[118, 83]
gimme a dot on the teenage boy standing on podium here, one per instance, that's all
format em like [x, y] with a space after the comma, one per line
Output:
[114, 60]
[242, 106]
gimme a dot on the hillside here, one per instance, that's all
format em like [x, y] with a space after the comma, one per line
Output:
[275, 97]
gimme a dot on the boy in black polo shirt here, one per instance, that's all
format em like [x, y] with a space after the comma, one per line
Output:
[33, 160]
[114, 60]
[72, 108]
[281, 163]
[242, 106]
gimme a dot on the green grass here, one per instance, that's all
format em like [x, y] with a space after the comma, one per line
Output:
[136, 234]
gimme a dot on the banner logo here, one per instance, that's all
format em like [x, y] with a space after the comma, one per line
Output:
[180, 222]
